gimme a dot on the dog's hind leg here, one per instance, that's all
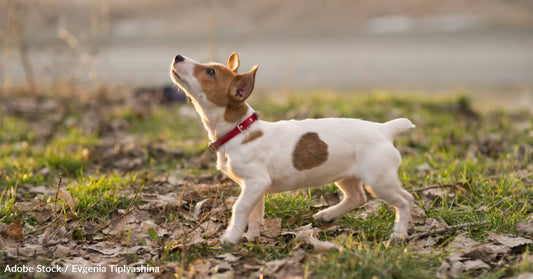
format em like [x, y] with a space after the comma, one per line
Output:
[388, 188]
[354, 196]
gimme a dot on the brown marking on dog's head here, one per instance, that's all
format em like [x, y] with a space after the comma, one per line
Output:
[310, 152]
[251, 136]
[224, 87]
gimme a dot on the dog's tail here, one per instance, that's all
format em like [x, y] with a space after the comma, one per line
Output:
[396, 126]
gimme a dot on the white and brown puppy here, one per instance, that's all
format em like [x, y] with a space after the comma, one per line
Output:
[270, 157]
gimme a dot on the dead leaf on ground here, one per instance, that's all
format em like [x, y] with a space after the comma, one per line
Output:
[121, 223]
[156, 201]
[468, 254]
[228, 257]
[128, 164]
[462, 243]
[509, 241]
[284, 268]
[525, 227]
[13, 231]
[105, 248]
[526, 275]
[368, 208]
[32, 191]
[210, 268]
[66, 197]
[306, 234]
[475, 264]
[486, 251]
[431, 224]
[148, 225]
[418, 216]
[271, 227]
[198, 208]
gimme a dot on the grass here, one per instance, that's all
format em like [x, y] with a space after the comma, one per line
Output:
[487, 153]
[362, 259]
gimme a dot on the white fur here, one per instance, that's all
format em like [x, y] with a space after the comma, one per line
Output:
[358, 151]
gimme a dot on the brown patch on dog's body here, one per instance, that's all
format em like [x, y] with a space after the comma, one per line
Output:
[252, 136]
[221, 89]
[310, 152]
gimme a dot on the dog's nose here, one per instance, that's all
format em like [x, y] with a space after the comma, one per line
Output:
[178, 58]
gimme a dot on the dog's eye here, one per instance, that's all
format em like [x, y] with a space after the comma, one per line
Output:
[210, 71]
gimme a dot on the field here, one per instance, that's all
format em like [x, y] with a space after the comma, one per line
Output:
[126, 180]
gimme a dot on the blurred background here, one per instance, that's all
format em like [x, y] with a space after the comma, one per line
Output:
[480, 48]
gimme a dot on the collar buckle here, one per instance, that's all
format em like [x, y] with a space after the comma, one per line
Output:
[241, 127]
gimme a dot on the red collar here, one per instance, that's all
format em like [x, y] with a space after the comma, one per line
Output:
[214, 146]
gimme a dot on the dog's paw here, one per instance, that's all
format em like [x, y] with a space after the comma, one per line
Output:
[397, 236]
[323, 216]
[251, 236]
[228, 240]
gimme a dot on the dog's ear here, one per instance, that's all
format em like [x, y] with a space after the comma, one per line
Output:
[233, 62]
[244, 85]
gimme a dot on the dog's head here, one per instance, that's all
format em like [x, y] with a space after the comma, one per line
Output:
[213, 84]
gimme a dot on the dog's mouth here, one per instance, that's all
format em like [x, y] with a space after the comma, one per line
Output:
[177, 77]
[175, 74]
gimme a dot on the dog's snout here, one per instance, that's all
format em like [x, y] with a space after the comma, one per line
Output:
[178, 58]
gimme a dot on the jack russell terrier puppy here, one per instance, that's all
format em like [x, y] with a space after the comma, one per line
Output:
[270, 157]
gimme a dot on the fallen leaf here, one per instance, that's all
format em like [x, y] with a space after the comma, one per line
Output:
[509, 241]
[106, 248]
[527, 275]
[306, 234]
[423, 168]
[284, 268]
[152, 229]
[228, 257]
[13, 231]
[199, 269]
[525, 227]
[368, 208]
[124, 222]
[175, 180]
[418, 216]
[66, 197]
[29, 251]
[156, 201]
[432, 224]
[462, 243]
[222, 270]
[198, 208]
[475, 264]
[61, 251]
[486, 251]
[209, 228]
[271, 227]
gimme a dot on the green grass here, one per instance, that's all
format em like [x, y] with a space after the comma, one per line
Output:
[487, 153]
[363, 259]
[97, 196]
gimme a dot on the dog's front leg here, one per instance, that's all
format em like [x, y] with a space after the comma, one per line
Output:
[255, 220]
[252, 192]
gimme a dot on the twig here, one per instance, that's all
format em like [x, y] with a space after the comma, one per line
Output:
[443, 230]
[139, 189]
[432, 187]
[58, 186]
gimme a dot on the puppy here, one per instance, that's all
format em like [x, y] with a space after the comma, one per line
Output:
[270, 157]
